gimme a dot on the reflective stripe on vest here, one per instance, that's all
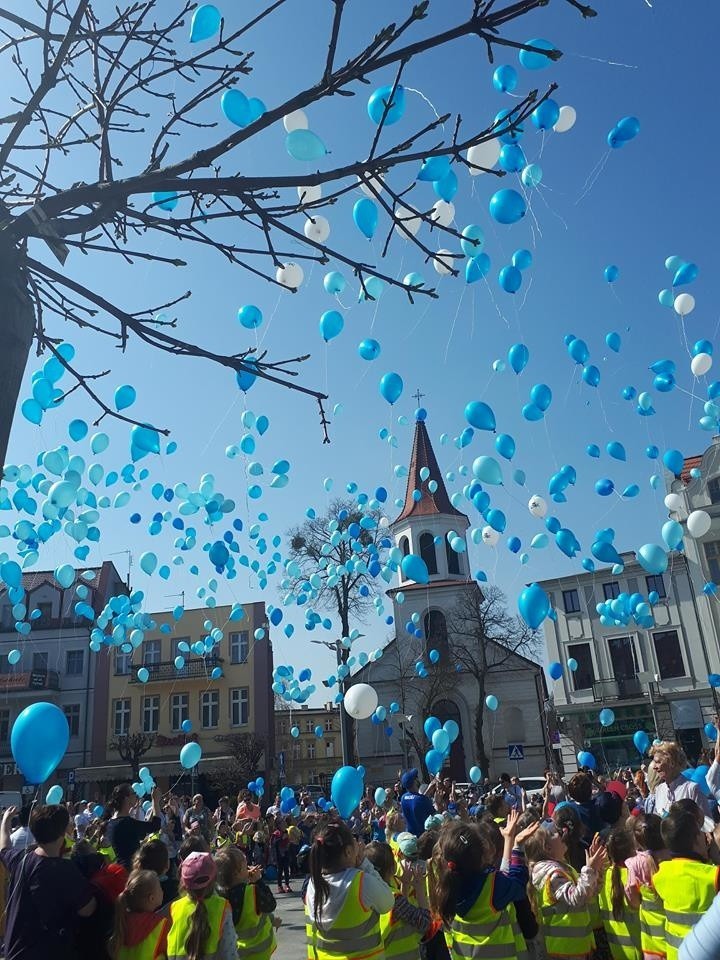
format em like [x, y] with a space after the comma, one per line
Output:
[148, 948]
[566, 930]
[255, 934]
[652, 922]
[623, 934]
[354, 934]
[181, 914]
[687, 888]
[483, 932]
[401, 941]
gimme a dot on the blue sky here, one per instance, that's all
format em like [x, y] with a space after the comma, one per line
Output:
[652, 199]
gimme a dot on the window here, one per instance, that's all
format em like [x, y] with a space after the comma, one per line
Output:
[712, 557]
[122, 663]
[713, 489]
[151, 714]
[151, 652]
[611, 590]
[311, 750]
[669, 656]
[210, 708]
[72, 712]
[74, 662]
[453, 559]
[328, 724]
[329, 748]
[240, 706]
[179, 710]
[45, 614]
[121, 717]
[309, 726]
[436, 631]
[571, 601]
[427, 552]
[40, 661]
[584, 676]
[239, 647]
[405, 546]
[283, 727]
[176, 646]
[655, 582]
[4, 725]
[7, 621]
[297, 751]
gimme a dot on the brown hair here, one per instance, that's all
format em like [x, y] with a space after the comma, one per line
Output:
[328, 850]
[490, 833]
[496, 806]
[645, 827]
[382, 858]
[680, 829]
[195, 844]
[460, 851]
[537, 847]
[49, 823]
[200, 930]
[426, 843]
[570, 827]
[152, 855]
[580, 787]
[229, 862]
[620, 846]
[131, 900]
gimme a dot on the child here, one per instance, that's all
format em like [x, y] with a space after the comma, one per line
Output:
[223, 837]
[153, 855]
[344, 898]
[281, 849]
[620, 919]
[394, 824]
[570, 827]
[202, 925]
[252, 904]
[140, 931]
[470, 896]
[639, 890]
[433, 948]
[563, 897]
[686, 883]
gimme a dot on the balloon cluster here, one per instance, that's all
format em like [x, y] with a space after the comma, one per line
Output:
[624, 608]
[442, 736]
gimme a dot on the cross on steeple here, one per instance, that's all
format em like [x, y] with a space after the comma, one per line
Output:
[418, 396]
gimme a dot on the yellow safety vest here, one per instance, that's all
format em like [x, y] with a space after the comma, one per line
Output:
[401, 941]
[624, 934]
[354, 935]
[484, 931]
[181, 914]
[567, 930]
[652, 922]
[108, 853]
[255, 933]
[221, 842]
[147, 949]
[687, 888]
[520, 942]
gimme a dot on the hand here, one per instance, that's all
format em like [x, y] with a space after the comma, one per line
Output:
[510, 828]
[276, 922]
[360, 853]
[596, 856]
[254, 874]
[523, 835]
[9, 814]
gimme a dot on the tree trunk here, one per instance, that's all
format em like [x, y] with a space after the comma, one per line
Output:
[347, 725]
[482, 757]
[420, 755]
[17, 327]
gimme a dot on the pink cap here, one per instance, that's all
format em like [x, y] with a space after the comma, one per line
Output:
[197, 871]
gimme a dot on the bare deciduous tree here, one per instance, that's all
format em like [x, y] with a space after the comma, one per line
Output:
[91, 81]
[131, 748]
[247, 751]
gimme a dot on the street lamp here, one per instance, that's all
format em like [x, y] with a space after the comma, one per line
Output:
[345, 720]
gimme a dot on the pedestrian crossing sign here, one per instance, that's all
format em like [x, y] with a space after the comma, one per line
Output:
[516, 751]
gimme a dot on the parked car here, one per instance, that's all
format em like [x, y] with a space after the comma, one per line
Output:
[529, 785]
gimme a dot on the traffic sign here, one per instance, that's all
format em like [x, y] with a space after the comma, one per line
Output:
[71, 776]
[516, 751]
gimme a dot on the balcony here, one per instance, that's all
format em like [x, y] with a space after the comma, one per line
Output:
[166, 670]
[618, 688]
[34, 680]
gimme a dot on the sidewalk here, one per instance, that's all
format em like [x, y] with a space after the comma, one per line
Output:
[291, 935]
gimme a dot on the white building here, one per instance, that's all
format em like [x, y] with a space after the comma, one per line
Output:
[654, 679]
[422, 528]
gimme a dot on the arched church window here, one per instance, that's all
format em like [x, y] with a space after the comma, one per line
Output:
[436, 635]
[453, 559]
[405, 546]
[427, 552]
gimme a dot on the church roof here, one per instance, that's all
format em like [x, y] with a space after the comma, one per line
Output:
[423, 455]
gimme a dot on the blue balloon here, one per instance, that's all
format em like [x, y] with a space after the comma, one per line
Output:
[641, 741]
[586, 759]
[578, 350]
[434, 168]
[702, 346]
[533, 605]
[190, 755]
[518, 356]
[346, 790]
[512, 158]
[532, 412]
[414, 568]
[431, 725]
[246, 378]
[510, 279]
[533, 60]
[532, 175]
[522, 259]
[331, 324]
[611, 273]
[672, 534]
[434, 761]
[473, 239]
[124, 397]
[369, 349]
[38, 740]
[674, 461]
[566, 541]
[250, 316]
[616, 450]
[496, 519]
[365, 215]
[652, 558]
[514, 544]
[334, 282]
[477, 267]
[236, 107]
[505, 445]
[593, 450]
[379, 100]
[607, 717]
[591, 375]
[507, 206]
[480, 415]
[685, 274]
[504, 120]
[546, 114]
[505, 78]
[391, 387]
[627, 129]
[604, 487]
[304, 145]
[613, 341]
[555, 670]
[487, 470]
[541, 396]
[205, 22]
[447, 187]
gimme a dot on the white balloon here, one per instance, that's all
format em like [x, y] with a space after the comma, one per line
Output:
[566, 120]
[317, 229]
[698, 523]
[297, 120]
[484, 155]
[700, 364]
[309, 194]
[684, 304]
[443, 213]
[410, 222]
[537, 506]
[376, 183]
[443, 262]
[490, 536]
[361, 700]
[384, 522]
[674, 502]
[290, 275]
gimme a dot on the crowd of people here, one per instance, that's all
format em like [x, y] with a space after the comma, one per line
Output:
[624, 867]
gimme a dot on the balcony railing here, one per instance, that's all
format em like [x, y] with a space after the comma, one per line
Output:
[166, 670]
[34, 680]
[617, 688]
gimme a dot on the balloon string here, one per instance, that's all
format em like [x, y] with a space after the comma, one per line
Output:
[610, 63]
[452, 326]
[593, 177]
[270, 320]
[428, 102]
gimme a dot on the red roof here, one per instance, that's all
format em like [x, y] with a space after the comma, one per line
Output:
[690, 463]
[423, 455]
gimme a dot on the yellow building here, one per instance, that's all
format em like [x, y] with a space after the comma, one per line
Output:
[154, 694]
[315, 754]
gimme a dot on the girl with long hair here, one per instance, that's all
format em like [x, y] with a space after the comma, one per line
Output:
[650, 852]
[620, 919]
[202, 925]
[140, 931]
[252, 904]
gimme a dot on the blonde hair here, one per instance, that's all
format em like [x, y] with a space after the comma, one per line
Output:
[132, 900]
[672, 752]
[394, 822]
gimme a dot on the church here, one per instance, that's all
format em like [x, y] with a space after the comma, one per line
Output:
[460, 668]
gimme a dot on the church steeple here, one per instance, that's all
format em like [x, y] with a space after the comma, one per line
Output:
[429, 503]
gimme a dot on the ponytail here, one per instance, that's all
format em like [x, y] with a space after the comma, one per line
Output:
[200, 931]
[620, 846]
[327, 854]
[460, 852]
[139, 885]
[617, 894]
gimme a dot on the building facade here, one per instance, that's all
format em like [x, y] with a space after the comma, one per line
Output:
[654, 679]
[450, 692]
[239, 702]
[56, 665]
[311, 758]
